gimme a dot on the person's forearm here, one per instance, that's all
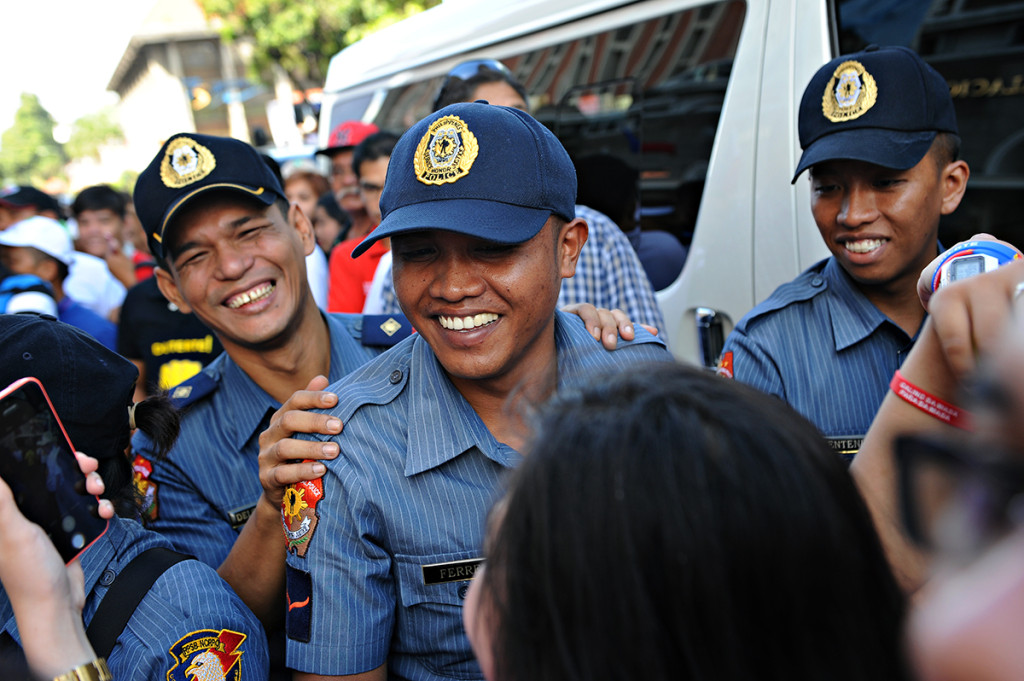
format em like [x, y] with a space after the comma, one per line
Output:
[874, 467]
[255, 566]
[53, 638]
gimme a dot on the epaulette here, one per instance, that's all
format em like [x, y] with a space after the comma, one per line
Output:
[385, 330]
[807, 285]
[190, 391]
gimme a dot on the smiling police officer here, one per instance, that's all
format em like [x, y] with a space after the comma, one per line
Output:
[478, 204]
[880, 142]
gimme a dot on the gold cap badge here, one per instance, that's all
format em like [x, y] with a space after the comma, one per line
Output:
[850, 93]
[185, 161]
[446, 152]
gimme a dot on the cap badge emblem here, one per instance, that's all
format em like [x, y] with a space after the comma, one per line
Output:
[185, 161]
[446, 152]
[850, 93]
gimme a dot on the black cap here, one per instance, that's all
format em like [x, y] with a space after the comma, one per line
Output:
[21, 196]
[91, 387]
[883, 105]
[189, 164]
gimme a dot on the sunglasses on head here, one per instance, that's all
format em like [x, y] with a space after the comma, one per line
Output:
[466, 70]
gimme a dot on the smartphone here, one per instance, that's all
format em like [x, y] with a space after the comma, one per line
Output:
[37, 461]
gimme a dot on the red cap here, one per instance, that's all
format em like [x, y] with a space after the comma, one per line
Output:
[347, 135]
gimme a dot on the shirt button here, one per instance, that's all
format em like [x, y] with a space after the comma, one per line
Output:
[395, 377]
[107, 578]
[817, 282]
[463, 590]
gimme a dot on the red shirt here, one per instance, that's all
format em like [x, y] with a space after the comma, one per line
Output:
[351, 278]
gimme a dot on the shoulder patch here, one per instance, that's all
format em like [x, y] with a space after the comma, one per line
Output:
[142, 469]
[207, 655]
[193, 390]
[724, 367]
[385, 329]
[299, 515]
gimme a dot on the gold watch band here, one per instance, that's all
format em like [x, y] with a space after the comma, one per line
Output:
[96, 670]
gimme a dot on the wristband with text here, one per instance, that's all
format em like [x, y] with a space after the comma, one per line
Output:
[928, 403]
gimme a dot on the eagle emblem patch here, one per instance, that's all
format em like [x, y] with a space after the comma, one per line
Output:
[446, 151]
[850, 93]
[207, 655]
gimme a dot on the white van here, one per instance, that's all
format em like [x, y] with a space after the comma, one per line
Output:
[701, 97]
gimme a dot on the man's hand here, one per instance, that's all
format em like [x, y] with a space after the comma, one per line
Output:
[606, 325]
[285, 461]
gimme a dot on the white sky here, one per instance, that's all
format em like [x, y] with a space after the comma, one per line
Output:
[64, 51]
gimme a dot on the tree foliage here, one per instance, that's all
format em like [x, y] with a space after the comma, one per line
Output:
[28, 152]
[91, 132]
[303, 36]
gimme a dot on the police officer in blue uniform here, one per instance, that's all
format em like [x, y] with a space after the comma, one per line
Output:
[880, 145]
[231, 249]
[187, 616]
[479, 206]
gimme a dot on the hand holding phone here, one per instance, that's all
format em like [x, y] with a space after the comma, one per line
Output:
[38, 463]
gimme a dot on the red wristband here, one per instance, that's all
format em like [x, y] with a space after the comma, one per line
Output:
[928, 403]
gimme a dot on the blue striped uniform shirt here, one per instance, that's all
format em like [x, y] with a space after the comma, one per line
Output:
[209, 482]
[189, 601]
[609, 274]
[417, 473]
[824, 348]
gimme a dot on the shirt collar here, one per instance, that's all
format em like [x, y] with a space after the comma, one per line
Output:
[853, 316]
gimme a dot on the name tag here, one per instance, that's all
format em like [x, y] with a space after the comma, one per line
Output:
[238, 516]
[455, 571]
[845, 447]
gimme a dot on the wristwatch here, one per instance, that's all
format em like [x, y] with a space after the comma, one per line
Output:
[970, 258]
[95, 670]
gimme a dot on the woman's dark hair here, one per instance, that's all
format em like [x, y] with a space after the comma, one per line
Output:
[671, 524]
[160, 420]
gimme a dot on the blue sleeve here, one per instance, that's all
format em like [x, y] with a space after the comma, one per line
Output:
[190, 619]
[179, 511]
[346, 616]
[747, 359]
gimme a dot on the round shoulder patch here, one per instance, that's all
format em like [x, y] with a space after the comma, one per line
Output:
[850, 93]
[185, 161]
[446, 151]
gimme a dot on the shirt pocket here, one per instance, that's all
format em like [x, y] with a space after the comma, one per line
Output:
[428, 619]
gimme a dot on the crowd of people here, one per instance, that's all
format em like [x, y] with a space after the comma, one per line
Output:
[417, 418]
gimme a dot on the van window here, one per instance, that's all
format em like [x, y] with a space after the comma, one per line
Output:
[978, 46]
[648, 94]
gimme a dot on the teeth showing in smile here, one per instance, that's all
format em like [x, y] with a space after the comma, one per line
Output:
[251, 296]
[471, 322]
[863, 246]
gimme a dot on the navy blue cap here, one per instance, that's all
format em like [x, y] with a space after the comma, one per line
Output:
[883, 105]
[491, 172]
[189, 164]
[90, 386]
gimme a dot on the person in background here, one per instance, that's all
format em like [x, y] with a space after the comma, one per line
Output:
[166, 345]
[609, 185]
[351, 278]
[40, 246]
[99, 212]
[340, 144]
[134, 239]
[706, 531]
[330, 223]
[302, 188]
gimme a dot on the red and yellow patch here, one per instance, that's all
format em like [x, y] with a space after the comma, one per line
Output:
[299, 515]
[142, 469]
[725, 365]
